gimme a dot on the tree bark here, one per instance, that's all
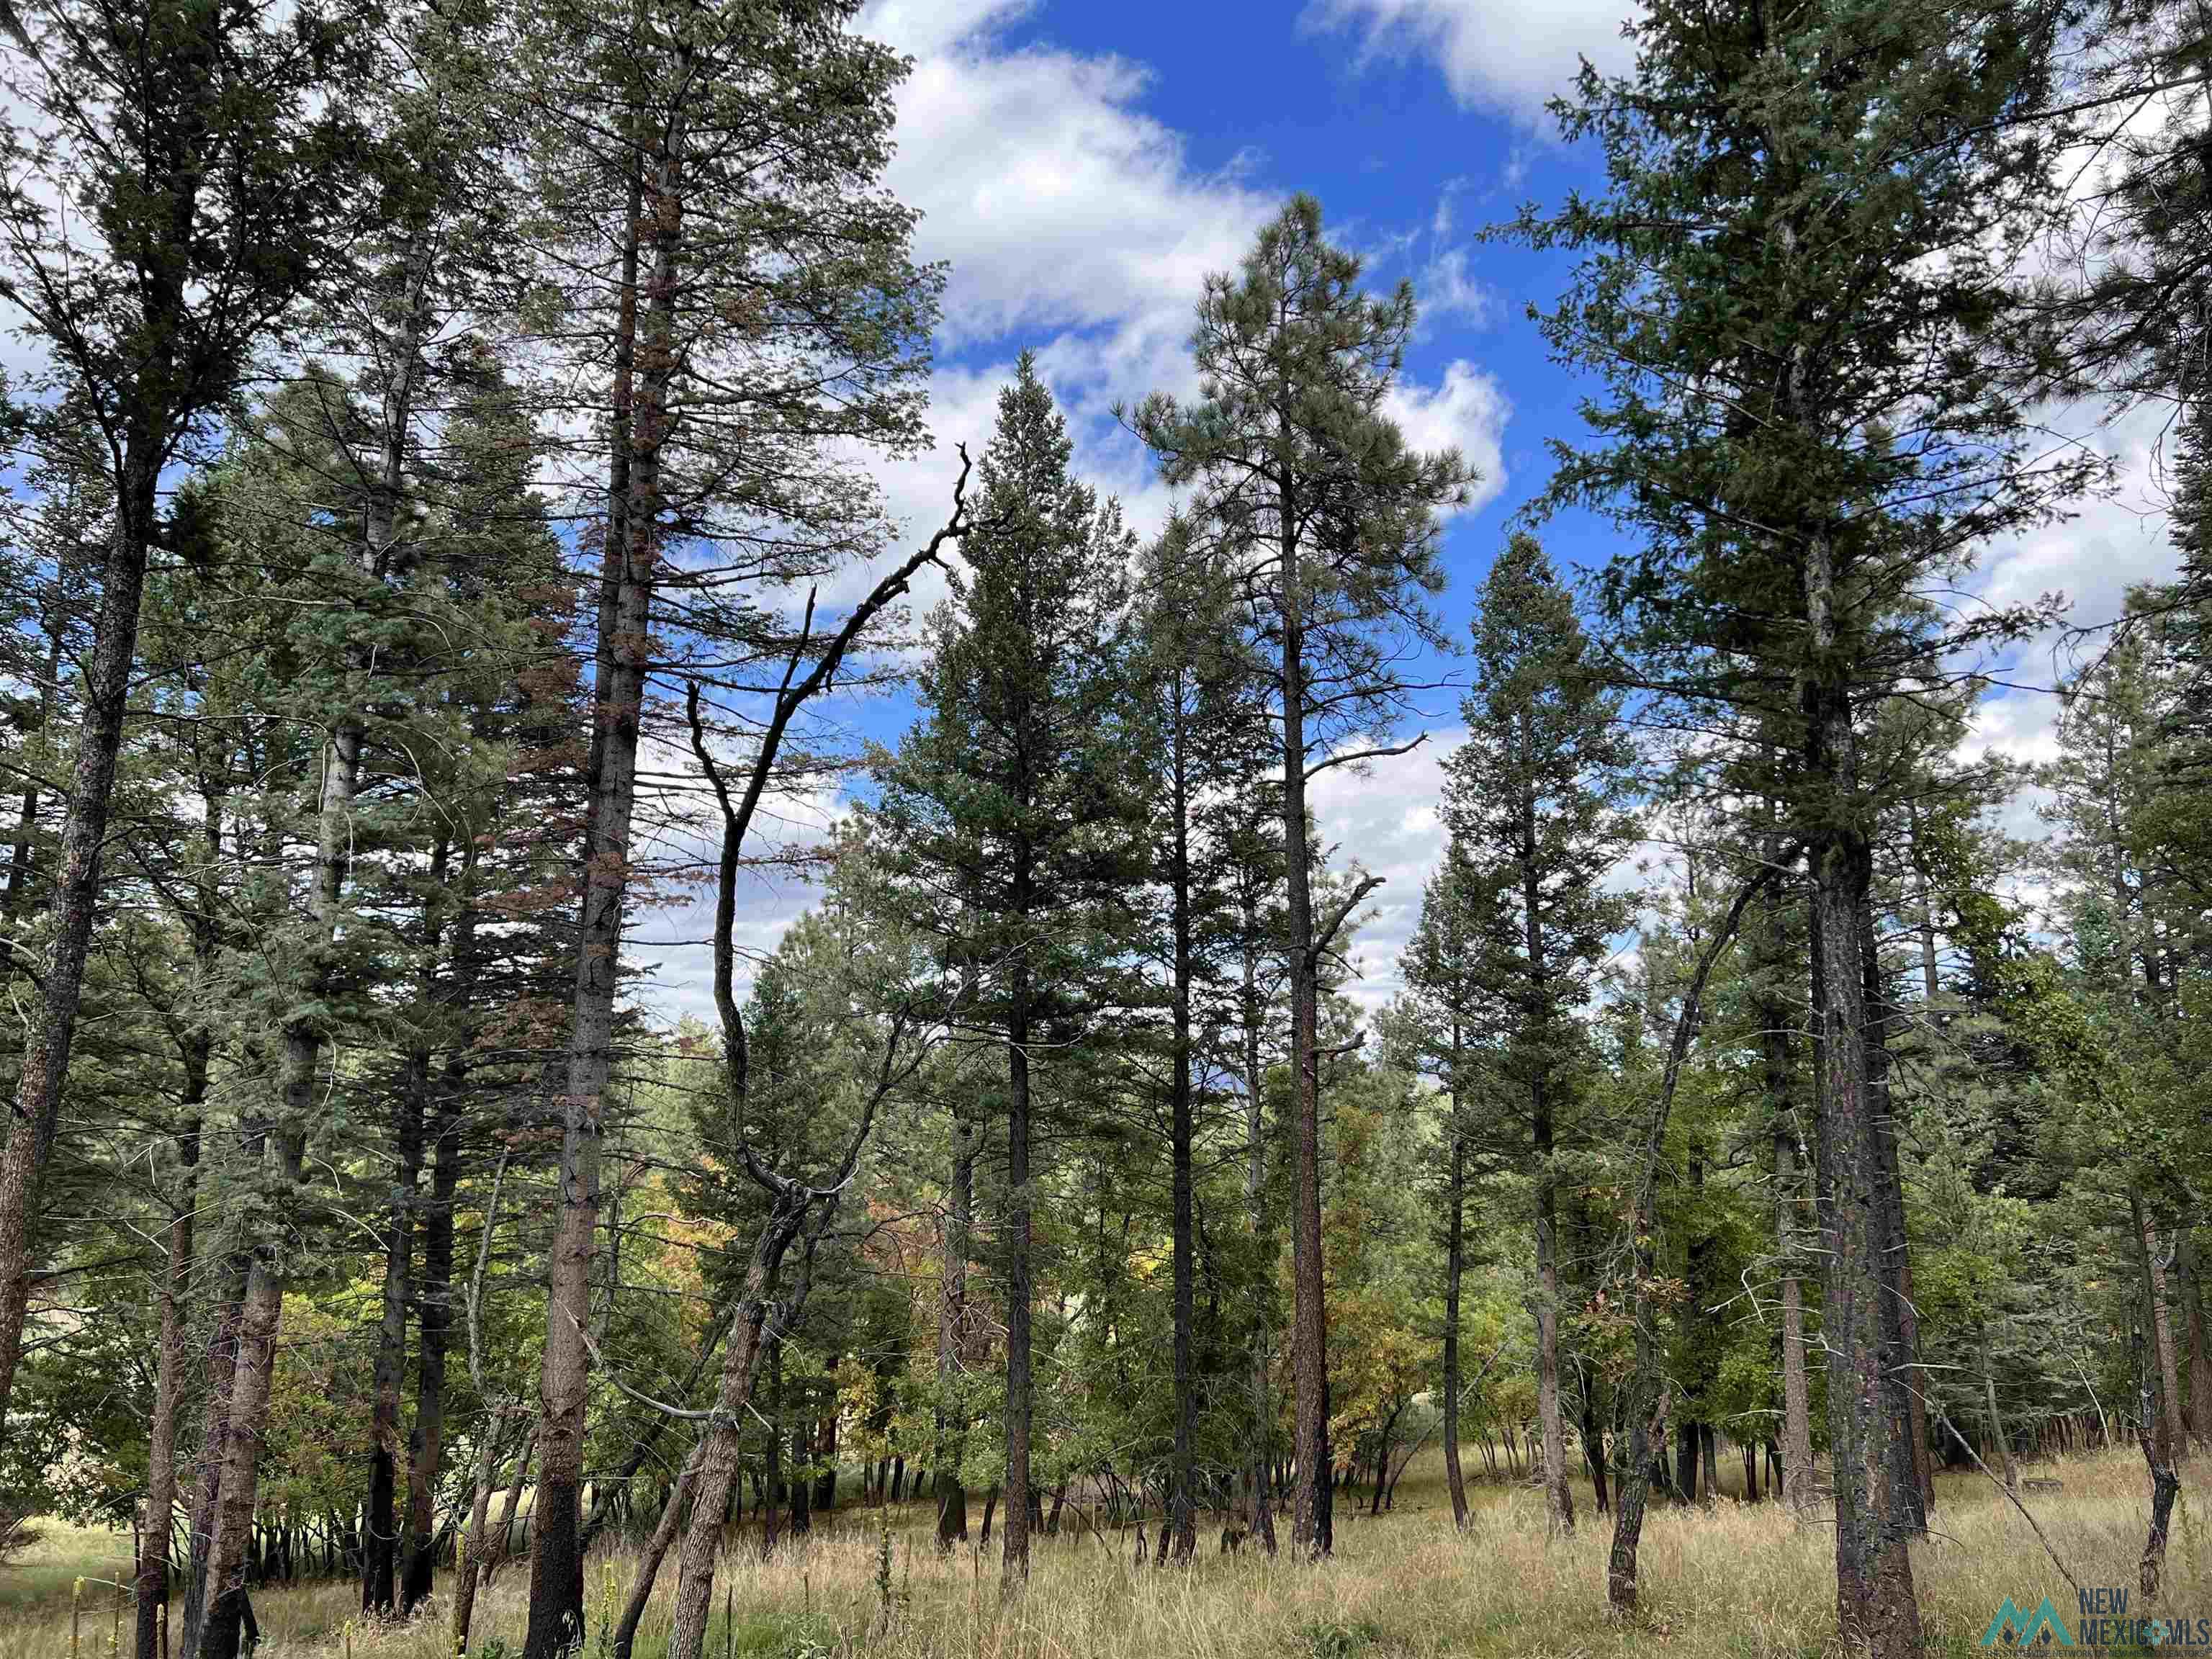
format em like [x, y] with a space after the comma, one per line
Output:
[1312, 1528]
[2155, 1423]
[428, 1447]
[2161, 1330]
[151, 1586]
[1181, 1519]
[238, 1486]
[952, 1332]
[656, 1552]
[1020, 1291]
[1252, 1008]
[556, 1560]
[1454, 1268]
[1878, 1609]
[380, 1519]
[221, 1368]
[76, 898]
[716, 1458]
[434, 1304]
[1908, 1399]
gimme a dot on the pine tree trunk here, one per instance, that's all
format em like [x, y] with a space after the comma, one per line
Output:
[1181, 1519]
[380, 1521]
[238, 1483]
[952, 1330]
[1878, 1609]
[221, 1369]
[718, 1454]
[1253, 1011]
[1646, 1434]
[195, 1052]
[1312, 1529]
[435, 1315]
[647, 1572]
[2155, 1423]
[1020, 1291]
[1915, 1466]
[52, 1025]
[1454, 1268]
[2161, 1331]
[152, 1580]
[556, 1559]
[428, 1447]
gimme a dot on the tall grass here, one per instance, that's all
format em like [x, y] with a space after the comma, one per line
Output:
[1735, 1580]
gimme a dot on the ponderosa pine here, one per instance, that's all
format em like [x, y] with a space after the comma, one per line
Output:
[1328, 523]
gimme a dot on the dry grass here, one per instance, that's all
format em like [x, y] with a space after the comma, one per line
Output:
[1739, 1580]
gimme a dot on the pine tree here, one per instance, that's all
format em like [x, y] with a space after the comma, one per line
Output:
[725, 281]
[1536, 800]
[1204, 738]
[1805, 208]
[1445, 1024]
[179, 177]
[1328, 523]
[1016, 786]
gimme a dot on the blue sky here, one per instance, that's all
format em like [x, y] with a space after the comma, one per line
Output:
[1081, 167]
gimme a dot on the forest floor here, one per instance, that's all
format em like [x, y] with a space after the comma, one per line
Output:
[1741, 1580]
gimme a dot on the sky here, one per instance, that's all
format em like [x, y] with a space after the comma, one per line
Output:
[1082, 166]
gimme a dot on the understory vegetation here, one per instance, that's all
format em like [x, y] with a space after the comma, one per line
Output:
[1729, 1579]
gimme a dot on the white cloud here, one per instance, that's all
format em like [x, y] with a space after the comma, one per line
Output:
[1507, 56]
[923, 27]
[1467, 411]
[1446, 289]
[1059, 203]
[1075, 223]
[1387, 820]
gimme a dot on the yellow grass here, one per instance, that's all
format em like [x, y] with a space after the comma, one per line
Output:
[1738, 1580]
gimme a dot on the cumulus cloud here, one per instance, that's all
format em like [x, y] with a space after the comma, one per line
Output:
[1466, 410]
[1387, 819]
[1505, 56]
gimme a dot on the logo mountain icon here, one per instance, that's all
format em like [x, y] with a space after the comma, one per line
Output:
[2010, 1625]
